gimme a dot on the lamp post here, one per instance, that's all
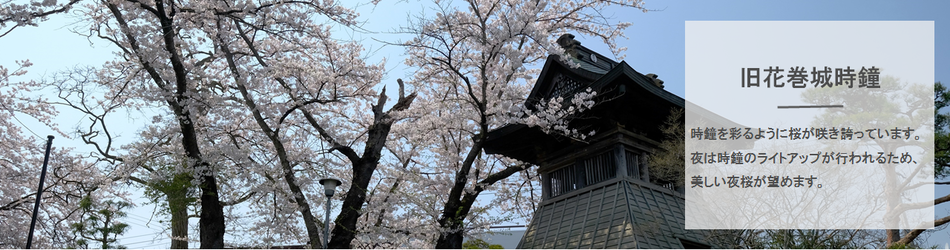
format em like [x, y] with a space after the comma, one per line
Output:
[329, 187]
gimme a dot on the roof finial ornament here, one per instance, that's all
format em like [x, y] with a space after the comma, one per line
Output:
[569, 44]
[656, 80]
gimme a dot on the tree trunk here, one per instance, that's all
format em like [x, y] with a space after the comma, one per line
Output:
[211, 224]
[451, 240]
[105, 232]
[453, 223]
[178, 208]
[453, 227]
[456, 209]
[313, 232]
[363, 167]
[892, 199]
[344, 230]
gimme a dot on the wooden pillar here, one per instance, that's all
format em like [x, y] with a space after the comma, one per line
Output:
[620, 161]
[644, 167]
[580, 172]
[545, 186]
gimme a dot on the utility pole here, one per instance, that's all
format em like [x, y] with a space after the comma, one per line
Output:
[39, 192]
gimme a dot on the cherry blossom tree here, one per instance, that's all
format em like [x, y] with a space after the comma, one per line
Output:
[475, 57]
[253, 101]
[317, 90]
[204, 66]
[14, 15]
[69, 177]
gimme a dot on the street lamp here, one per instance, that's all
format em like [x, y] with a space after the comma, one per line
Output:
[329, 187]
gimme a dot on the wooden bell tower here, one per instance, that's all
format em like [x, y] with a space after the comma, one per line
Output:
[599, 194]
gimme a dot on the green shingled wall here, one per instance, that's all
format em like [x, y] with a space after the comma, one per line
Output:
[620, 213]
